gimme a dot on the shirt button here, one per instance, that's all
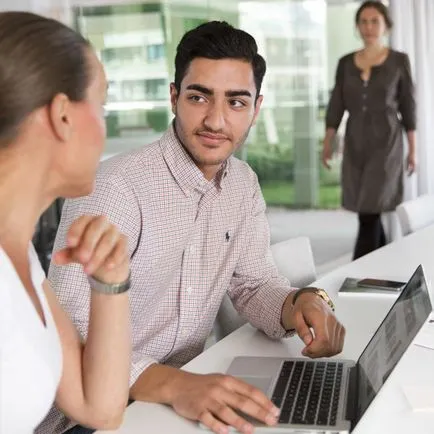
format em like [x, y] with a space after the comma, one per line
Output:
[364, 108]
[364, 96]
[192, 249]
[189, 290]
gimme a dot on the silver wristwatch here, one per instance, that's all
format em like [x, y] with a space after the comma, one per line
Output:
[109, 288]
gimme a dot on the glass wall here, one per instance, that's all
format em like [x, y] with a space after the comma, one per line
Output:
[301, 41]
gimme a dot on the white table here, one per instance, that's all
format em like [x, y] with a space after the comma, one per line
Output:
[361, 315]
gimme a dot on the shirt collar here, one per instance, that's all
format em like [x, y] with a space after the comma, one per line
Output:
[184, 170]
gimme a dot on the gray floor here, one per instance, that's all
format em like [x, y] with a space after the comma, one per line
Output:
[332, 233]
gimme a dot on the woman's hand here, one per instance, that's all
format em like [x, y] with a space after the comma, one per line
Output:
[95, 243]
[327, 153]
[411, 164]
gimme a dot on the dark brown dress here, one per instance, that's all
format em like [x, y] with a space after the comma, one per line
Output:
[379, 109]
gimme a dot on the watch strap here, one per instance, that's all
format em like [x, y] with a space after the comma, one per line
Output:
[318, 291]
[109, 288]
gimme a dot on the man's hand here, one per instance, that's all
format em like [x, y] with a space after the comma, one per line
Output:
[215, 399]
[311, 312]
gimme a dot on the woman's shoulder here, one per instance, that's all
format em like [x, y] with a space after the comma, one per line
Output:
[399, 56]
[347, 58]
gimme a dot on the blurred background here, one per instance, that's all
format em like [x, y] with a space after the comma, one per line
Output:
[301, 41]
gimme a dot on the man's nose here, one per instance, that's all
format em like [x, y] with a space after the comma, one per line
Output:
[215, 117]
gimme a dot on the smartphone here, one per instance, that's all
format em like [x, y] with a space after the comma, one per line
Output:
[385, 285]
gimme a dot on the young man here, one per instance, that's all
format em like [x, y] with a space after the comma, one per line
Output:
[196, 223]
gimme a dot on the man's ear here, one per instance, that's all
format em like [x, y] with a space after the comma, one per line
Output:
[59, 112]
[257, 108]
[173, 97]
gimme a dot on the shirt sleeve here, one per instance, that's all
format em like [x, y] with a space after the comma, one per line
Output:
[116, 200]
[139, 364]
[257, 290]
[406, 101]
[336, 106]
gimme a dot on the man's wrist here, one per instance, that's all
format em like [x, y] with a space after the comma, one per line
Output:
[158, 383]
[286, 316]
[288, 305]
[174, 384]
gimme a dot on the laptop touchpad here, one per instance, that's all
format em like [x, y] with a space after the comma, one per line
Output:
[261, 383]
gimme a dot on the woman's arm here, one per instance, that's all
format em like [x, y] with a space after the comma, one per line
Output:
[411, 157]
[335, 111]
[407, 108]
[95, 382]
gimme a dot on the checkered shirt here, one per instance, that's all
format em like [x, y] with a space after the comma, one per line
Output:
[190, 242]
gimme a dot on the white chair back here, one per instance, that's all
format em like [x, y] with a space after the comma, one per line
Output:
[416, 214]
[294, 260]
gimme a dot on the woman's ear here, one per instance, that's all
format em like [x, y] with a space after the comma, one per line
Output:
[59, 112]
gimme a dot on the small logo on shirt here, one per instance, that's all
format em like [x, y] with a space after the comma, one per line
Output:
[227, 236]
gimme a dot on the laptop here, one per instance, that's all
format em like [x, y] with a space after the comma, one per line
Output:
[331, 395]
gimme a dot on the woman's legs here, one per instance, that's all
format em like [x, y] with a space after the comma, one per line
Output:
[371, 234]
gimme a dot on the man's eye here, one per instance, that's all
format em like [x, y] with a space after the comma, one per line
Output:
[197, 98]
[237, 103]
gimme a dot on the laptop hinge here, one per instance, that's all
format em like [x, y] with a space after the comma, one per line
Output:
[352, 396]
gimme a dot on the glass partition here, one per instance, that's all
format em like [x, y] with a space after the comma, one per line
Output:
[301, 41]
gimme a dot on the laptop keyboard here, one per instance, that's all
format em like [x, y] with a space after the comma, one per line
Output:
[307, 392]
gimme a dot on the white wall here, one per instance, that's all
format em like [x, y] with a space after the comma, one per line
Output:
[58, 9]
[23, 5]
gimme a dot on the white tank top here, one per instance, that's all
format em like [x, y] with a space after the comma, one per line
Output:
[30, 353]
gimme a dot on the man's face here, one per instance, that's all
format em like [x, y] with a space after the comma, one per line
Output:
[214, 110]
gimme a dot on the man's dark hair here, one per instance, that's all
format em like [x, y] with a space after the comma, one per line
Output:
[39, 58]
[380, 7]
[218, 40]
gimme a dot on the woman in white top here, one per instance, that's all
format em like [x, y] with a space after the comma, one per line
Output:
[52, 92]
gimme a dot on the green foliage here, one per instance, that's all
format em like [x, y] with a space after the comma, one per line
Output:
[275, 169]
[275, 165]
[158, 120]
[282, 194]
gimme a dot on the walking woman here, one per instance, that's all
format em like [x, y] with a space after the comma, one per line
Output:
[375, 86]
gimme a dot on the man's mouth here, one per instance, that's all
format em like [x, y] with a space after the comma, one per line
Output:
[212, 138]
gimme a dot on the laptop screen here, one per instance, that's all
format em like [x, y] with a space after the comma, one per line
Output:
[392, 338]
